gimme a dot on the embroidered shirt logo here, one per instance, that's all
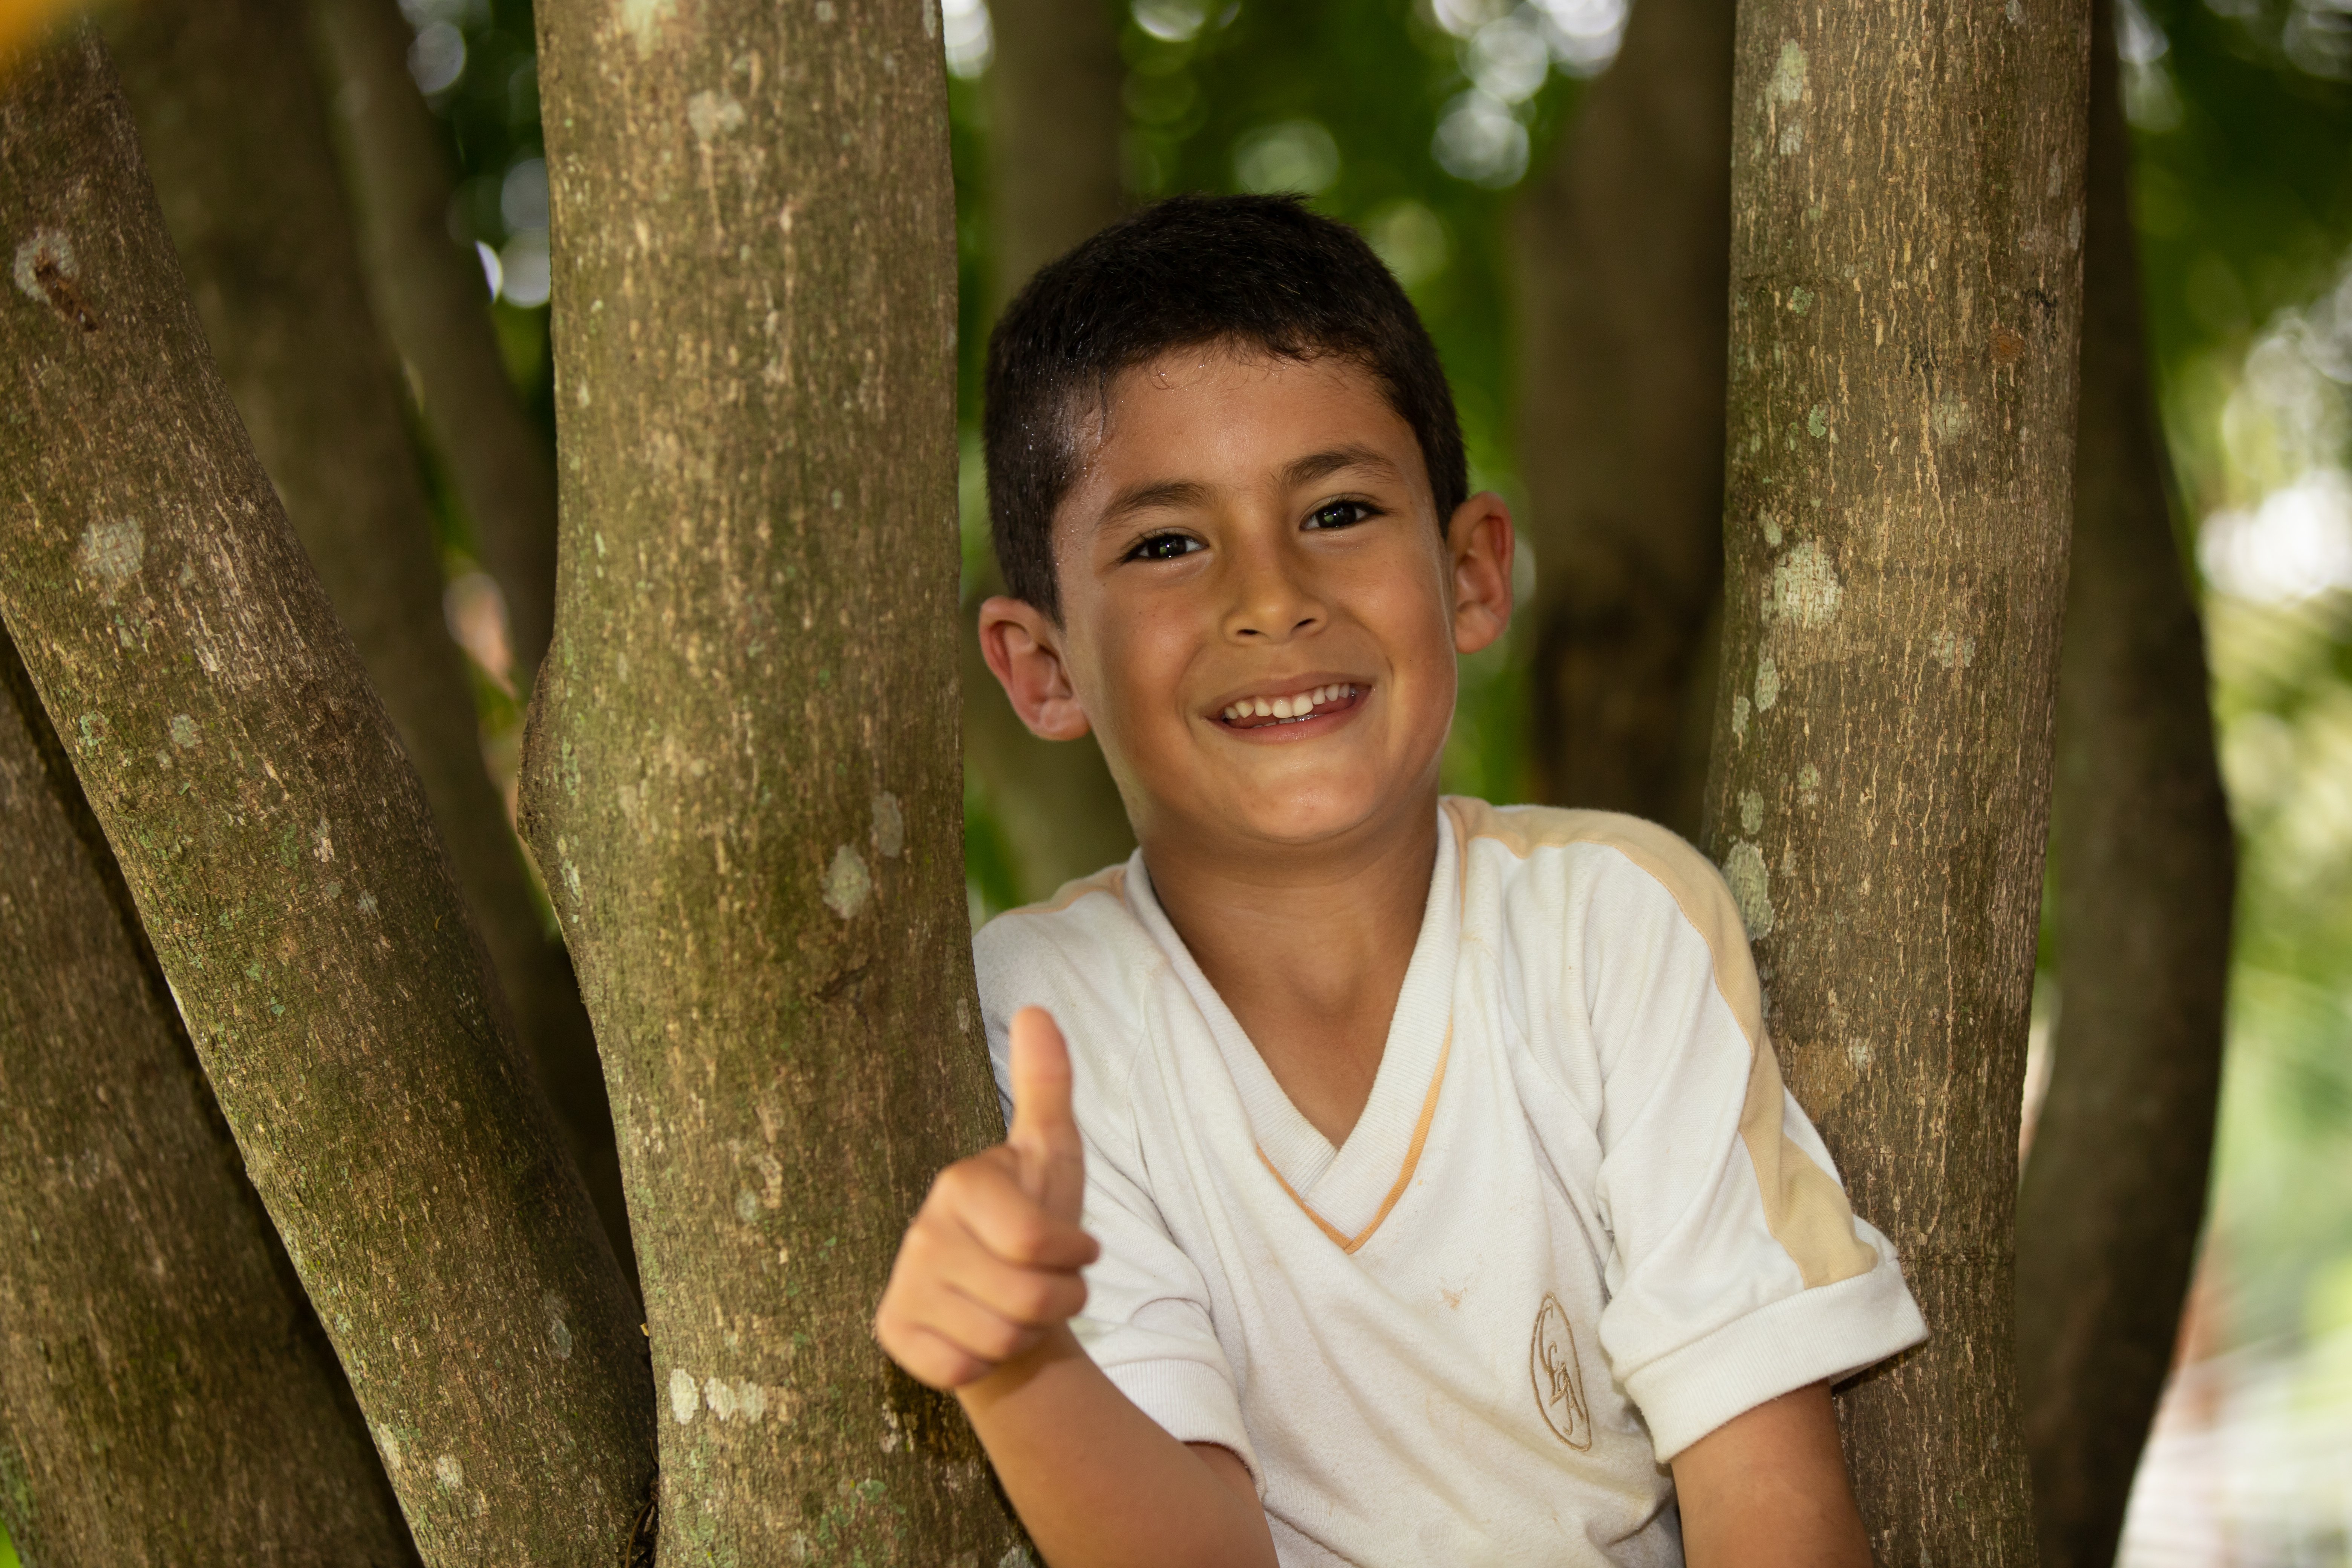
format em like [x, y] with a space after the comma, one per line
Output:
[1558, 1378]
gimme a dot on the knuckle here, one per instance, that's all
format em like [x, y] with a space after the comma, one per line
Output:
[1030, 1235]
[1040, 1300]
[953, 1185]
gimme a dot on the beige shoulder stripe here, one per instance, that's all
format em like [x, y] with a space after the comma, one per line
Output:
[1804, 1207]
[1111, 879]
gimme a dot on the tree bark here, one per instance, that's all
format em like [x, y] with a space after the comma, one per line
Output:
[1622, 249]
[165, 1395]
[741, 774]
[281, 855]
[2114, 1187]
[428, 292]
[237, 142]
[1055, 122]
[1907, 226]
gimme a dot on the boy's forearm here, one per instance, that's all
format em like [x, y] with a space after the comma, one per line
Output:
[1099, 1483]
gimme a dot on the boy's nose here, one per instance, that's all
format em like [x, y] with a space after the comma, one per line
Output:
[1271, 603]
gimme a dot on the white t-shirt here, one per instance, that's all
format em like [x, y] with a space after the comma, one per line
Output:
[1579, 1224]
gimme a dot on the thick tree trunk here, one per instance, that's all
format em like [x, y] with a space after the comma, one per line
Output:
[1906, 231]
[429, 293]
[741, 776]
[2114, 1188]
[1621, 255]
[1055, 120]
[237, 141]
[166, 1398]
[281, 858]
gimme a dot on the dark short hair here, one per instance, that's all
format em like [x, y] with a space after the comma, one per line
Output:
[1260, 272]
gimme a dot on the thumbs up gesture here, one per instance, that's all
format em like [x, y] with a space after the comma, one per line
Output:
[990, 1266]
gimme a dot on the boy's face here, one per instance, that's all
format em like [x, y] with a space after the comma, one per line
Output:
[1248, 531]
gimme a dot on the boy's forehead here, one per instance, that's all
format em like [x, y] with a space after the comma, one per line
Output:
[1215, 415]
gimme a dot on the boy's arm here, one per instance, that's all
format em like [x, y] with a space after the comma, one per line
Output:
[1098, 1482]
[1767, 1489]
[980, 1302]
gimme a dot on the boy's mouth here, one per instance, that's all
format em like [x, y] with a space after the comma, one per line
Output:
[1291, 707]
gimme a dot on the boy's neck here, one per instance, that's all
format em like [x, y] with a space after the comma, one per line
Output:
[1309, 947]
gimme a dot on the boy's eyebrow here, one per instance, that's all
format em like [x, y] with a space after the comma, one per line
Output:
[1315, 466]
[1151, 497]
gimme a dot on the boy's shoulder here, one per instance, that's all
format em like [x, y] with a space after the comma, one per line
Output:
[1083, 949]
[1558, 854]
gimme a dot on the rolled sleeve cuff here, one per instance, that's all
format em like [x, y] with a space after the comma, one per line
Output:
[1192, 1404]
[1812, 1337]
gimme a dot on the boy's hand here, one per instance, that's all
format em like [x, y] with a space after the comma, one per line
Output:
[991, 1264]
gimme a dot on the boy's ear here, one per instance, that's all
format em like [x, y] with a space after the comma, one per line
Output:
[1023, 649]
[1481, 540]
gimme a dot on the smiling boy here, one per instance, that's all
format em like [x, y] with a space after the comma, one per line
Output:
[1407, 1180]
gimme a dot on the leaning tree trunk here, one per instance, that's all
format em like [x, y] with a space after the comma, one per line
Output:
[741, 776]
[1055, 120]
[281, 858]
[238, 139]
[1621, 252]
[2114, 1187]
[165, 1395]
[428, 292]
[1907, 234]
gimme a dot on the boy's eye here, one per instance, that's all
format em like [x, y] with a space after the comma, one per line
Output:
[1164, 547]
[1340, 514]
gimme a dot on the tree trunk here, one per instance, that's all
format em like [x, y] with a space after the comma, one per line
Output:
[428, 292]
[1621, 260]
[1054, 118]
[165, 1395]
[742, 774]
[237, 141]
[1054, 121]
[1906, 228]
[281, 858]
[2114, 1188]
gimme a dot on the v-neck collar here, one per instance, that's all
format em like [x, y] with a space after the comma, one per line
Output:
[1349, 1189]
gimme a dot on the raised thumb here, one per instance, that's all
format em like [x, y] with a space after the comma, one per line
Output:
[1043, 1136]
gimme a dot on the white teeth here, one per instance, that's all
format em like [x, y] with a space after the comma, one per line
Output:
[1291, 706]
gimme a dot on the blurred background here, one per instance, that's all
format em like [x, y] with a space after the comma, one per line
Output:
[1447, 130]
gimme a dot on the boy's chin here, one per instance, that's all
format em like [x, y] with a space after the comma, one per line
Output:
[1327, 813]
